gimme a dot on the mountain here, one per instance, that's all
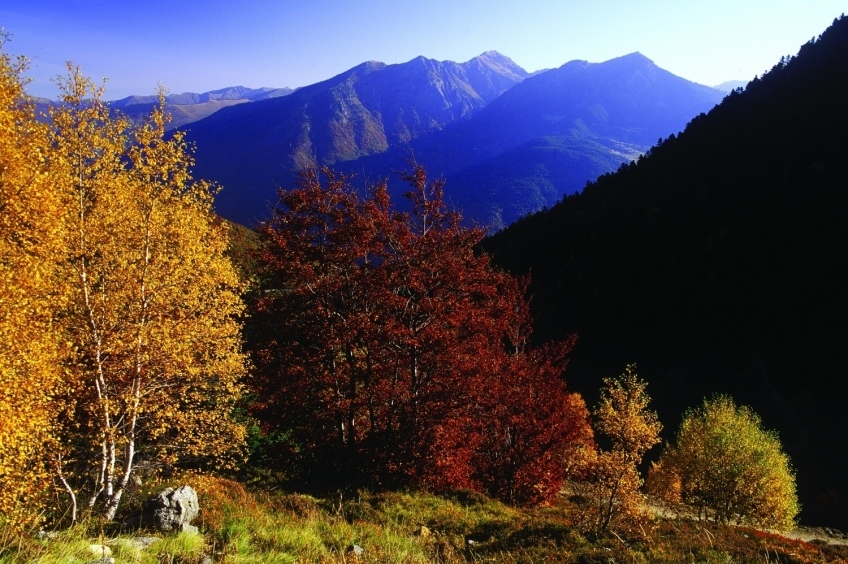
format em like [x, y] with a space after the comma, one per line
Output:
[253, 148]
[717, 263]
[554, 132]
[729, 85]
[232, 93]
[189, 107]
[508, 143]
[183, 108]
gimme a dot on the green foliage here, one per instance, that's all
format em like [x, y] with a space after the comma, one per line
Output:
[728, 467]
[268, 449]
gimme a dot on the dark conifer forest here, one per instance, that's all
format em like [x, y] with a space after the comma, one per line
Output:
[717, 261]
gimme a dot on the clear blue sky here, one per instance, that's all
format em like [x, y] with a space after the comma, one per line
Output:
[196, 46]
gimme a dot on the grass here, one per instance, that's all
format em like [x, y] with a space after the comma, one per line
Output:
[244, 526]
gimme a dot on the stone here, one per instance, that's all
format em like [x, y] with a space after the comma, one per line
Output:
[173, 510]
[355, 550]
[100, 550]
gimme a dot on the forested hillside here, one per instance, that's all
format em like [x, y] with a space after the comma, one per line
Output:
[716, 261]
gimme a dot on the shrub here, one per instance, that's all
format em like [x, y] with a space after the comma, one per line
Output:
[728, 467]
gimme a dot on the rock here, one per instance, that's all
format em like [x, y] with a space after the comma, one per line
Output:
[355, 550]
[46, 535]
[100, 550]
[172, 510]
[102, 561]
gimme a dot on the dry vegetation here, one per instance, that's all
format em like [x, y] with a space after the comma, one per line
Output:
[240, 525]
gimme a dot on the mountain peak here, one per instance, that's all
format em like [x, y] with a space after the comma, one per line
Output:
[497, 61]
[633, 58]
[493, 56]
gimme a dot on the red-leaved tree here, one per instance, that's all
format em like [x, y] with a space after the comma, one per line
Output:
[395, 354]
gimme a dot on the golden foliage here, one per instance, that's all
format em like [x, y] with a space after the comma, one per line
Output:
[31, 219]
[118, 306]
[154, 300]
[728, 467]
[608, 481]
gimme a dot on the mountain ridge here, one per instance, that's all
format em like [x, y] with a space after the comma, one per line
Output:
[191, 98]
[550, 134]
[252, 148]
[453, 118]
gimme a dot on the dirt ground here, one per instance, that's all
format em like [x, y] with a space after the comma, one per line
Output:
[806, 534]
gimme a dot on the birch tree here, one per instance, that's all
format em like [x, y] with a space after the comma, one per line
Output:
[153, 309]
[609, 477]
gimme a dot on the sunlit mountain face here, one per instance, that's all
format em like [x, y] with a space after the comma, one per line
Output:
[507, 143]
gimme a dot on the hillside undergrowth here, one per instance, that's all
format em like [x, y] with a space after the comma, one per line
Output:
[245, 525]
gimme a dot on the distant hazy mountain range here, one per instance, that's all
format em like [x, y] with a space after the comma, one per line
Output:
[189, 107]
[508, 143]
[730, 85]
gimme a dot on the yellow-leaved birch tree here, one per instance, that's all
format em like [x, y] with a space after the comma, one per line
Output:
[609, 478]
[31, 223]
[154, 304]
[727, 466]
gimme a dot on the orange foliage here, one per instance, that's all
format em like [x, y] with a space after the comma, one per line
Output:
[153, 303]
[117, 304]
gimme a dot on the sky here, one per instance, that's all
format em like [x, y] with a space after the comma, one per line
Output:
[197, 46]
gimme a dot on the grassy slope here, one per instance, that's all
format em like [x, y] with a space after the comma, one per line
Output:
[244, 526]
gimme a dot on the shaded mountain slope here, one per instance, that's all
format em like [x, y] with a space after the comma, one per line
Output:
[717, 262]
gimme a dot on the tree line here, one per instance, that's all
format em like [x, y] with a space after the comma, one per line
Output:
[371, 347]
